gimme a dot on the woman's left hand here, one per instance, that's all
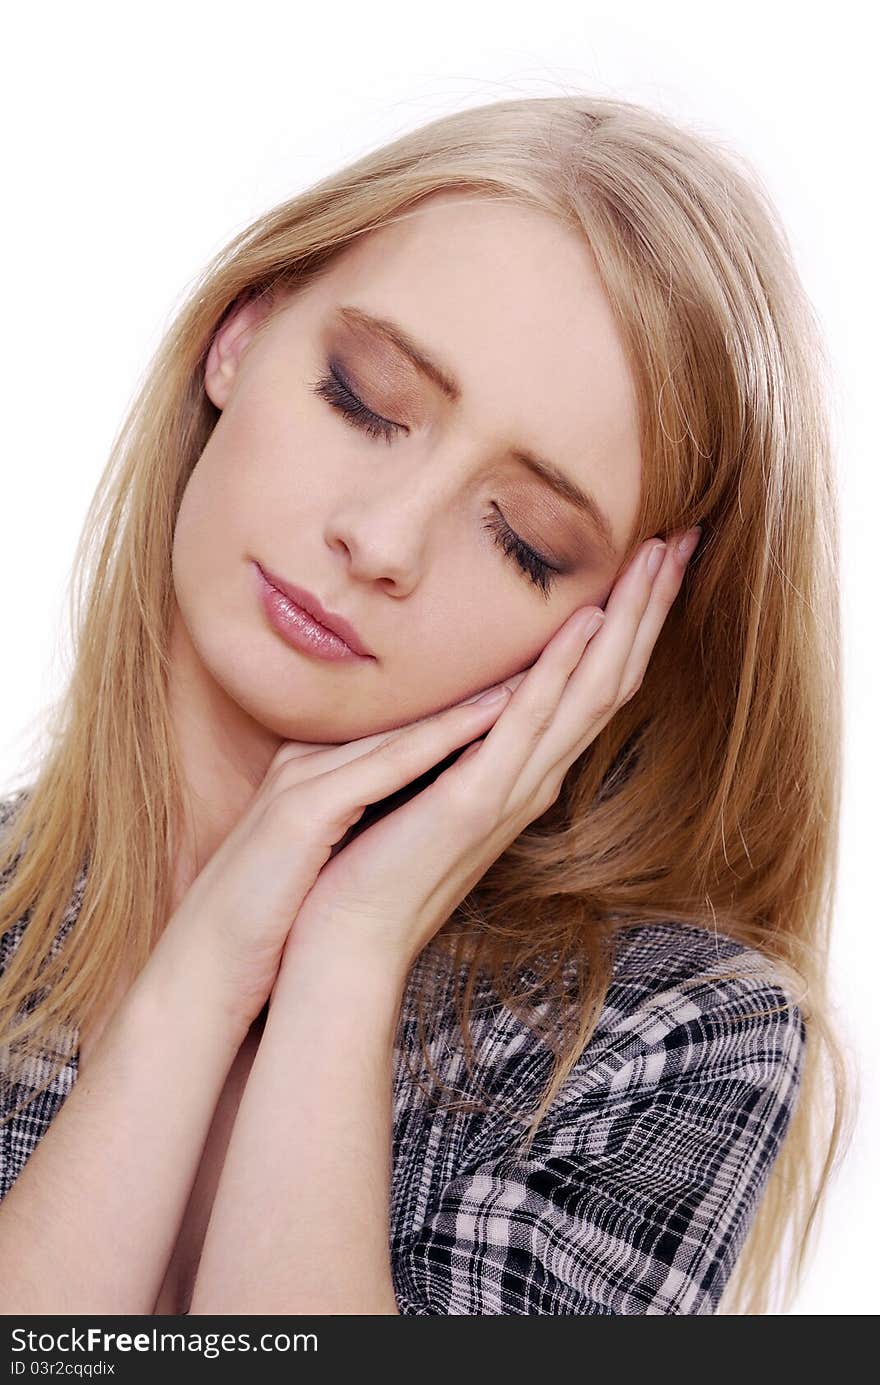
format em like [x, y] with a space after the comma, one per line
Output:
[391, 889]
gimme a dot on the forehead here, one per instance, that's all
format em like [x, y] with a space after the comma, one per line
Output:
[490, 269]
[511, 300]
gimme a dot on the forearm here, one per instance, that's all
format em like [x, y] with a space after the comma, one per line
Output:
[90, 1223]
[300, 1222]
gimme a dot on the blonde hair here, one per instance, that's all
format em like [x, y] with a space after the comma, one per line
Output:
[710, 798]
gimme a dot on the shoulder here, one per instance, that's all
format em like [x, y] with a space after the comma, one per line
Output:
[681, 1000]
[9, 806]
[10, 803]
[677, 974]
[687, 1004]
[646, 1171]
[27, 1106]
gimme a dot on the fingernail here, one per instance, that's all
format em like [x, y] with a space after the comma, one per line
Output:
[655, 558]
[689, 543]
[494, 694]
[588, 626]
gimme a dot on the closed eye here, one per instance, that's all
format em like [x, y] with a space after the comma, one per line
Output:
[340, 396]
[333, 388]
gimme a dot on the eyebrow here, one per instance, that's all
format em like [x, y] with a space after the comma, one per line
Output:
[552, 475]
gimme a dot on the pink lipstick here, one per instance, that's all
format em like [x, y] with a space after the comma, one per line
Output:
[300, 619]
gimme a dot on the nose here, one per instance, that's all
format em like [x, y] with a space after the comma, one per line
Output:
[388, 530]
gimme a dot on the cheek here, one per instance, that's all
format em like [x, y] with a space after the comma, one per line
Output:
[222, 503]
[190, 559]
[209, 541]
[469, 648]
[192, 527]
[198, 520]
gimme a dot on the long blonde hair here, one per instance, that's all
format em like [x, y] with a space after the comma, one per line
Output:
[711, 798]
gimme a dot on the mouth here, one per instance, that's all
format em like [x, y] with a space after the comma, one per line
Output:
[329, 620]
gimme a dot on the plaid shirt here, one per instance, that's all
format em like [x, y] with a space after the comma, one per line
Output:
[646, 1173]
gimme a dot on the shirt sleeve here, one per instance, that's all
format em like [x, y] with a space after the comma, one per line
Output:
[638, 1195]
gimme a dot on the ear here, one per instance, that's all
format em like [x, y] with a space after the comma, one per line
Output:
[228, 347]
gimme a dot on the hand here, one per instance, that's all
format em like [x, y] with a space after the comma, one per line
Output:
[241, 906]
[390, 890]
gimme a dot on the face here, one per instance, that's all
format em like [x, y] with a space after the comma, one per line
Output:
[410, 500]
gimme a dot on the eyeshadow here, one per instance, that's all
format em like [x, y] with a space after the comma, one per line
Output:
[379, 335]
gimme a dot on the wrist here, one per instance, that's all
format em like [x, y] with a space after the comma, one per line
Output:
[337, 943]
[182, 978]
[340, 966]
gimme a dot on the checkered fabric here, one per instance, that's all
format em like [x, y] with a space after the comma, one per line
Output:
[646, 1173]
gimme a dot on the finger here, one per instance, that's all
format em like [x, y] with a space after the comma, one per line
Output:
[470, 751]
[399, 757]
[311, 759]
[575, 727]
[667, 585]
[510, 683]
[528, 733]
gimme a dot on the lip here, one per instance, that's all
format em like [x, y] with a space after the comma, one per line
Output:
[299, 617]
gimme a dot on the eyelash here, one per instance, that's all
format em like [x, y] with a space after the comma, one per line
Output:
[340, 397]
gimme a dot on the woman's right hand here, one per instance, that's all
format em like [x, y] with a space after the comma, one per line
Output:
[241, 906]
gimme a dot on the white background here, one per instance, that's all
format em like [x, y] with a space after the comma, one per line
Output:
[139, 139]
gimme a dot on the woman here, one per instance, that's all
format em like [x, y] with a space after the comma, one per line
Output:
[449, 402]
